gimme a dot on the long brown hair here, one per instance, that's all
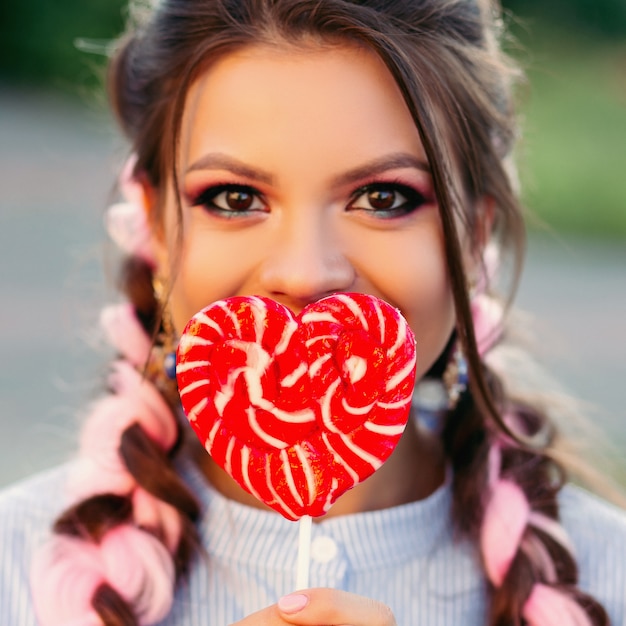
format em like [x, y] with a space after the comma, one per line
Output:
[458, 86]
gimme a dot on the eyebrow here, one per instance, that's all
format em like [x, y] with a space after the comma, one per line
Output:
[397, 160]
[219, 161]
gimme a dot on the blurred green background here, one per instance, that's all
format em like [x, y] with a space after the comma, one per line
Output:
[572, 159]
[573, 155]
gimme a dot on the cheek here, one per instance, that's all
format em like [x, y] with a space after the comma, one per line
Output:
[430, 311]
[212, 266]
[193, 282]
[416, 281]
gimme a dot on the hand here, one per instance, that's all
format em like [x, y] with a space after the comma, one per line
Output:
[322, 607]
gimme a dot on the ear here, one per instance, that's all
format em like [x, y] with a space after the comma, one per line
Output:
[159, 240]
[147, 198]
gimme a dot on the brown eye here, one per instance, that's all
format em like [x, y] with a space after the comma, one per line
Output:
[387, 200]
[381, 199]
[238, 200]
[230, 200]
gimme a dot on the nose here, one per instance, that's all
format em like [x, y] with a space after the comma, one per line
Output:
[307, 262]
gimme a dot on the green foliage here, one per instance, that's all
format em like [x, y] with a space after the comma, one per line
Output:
[37, 42]
[604, 17]
[574, 134]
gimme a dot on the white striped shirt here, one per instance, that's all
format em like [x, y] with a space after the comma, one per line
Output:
[405, 556]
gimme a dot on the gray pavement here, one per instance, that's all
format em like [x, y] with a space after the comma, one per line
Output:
[57, 162]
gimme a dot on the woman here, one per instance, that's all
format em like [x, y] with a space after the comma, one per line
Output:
[297, 149]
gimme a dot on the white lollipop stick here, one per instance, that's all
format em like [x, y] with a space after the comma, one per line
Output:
[304, 552]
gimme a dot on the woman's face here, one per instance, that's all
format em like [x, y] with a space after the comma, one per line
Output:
[302, 174]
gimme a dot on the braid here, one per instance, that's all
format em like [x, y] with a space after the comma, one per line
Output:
[527, 555]
[116, 553]
[505, 499]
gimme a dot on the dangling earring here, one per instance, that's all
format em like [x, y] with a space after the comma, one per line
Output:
[162, 368]
[434, 397]
[455, 376]
[169, 349]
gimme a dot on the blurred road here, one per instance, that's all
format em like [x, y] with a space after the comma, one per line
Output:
[57, 163]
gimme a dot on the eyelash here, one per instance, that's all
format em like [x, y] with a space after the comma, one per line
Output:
[413, 200]
[206, 198]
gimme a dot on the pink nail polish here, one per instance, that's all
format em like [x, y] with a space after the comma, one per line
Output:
[293, 603]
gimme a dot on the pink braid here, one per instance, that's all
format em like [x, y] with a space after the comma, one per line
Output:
[126, 222]
[504, 523]
[130, 558]
[507, 513]
[154, 515]
[102, 468]
[546, 606]
[506, 517]
[68, 571]
[125, 333]
[159, 424]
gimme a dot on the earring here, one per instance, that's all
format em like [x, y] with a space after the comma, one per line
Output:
[455, 376]
[163, 361]
[434, 397]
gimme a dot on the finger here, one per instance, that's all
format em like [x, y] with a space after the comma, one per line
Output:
[269, 616]
[331, 607]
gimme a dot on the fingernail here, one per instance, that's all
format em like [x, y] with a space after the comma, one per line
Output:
[293, 603]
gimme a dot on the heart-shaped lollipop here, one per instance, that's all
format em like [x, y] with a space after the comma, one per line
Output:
[297, 409]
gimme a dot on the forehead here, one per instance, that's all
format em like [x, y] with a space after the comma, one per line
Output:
[281, 97]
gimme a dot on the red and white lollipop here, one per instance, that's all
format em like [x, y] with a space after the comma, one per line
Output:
[297, 409]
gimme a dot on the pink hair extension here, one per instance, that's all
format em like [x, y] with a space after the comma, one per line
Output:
[552, 528]
[89, 478]
[133, 562]
[103, 470]
[110, 417]
[547, 606]
[157, 421]
[141, 570]
[156, 515]
[131, 188]
[64, 575]
[126, 222]
[504, 523]
[126, 333]
[488, 316]
[490, 267]
[505, 520]
[126, 225]
[100, 468]
[68, 571]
